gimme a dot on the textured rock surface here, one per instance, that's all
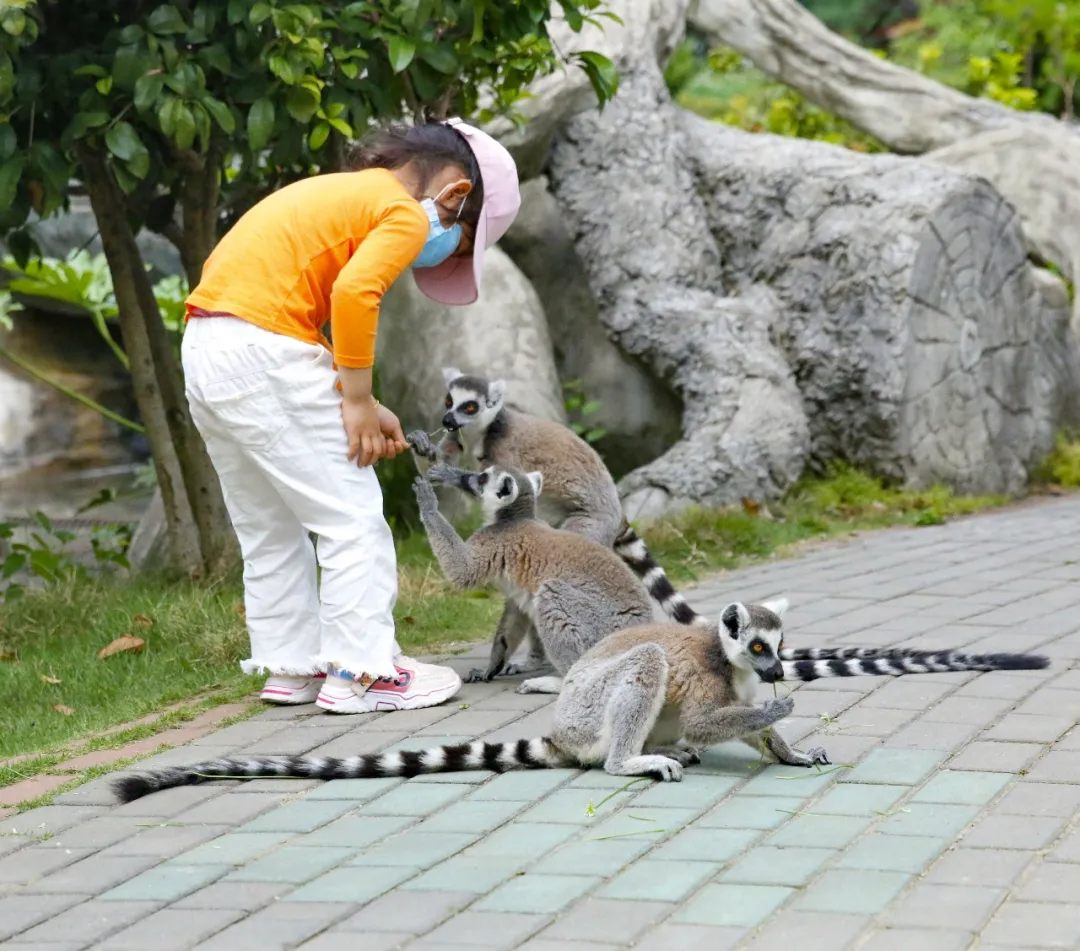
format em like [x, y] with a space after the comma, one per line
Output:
[924, 344]
[503, 335]
[642, 230]
[641, 416]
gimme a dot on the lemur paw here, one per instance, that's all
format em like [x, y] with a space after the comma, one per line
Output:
[425, 495]
[694, 755]
[421, 444]
[818, 756]
[778, 708]
[666, 769]
[442, 474]
[477, 676]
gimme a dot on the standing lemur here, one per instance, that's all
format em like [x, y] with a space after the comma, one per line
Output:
[579, 493]
[579, 496]
[640, 702]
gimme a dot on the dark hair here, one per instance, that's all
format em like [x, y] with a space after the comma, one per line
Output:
[430, 148]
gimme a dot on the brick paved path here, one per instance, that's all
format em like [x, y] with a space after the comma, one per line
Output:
[956, 829]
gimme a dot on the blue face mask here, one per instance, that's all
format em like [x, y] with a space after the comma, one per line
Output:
[441, 241]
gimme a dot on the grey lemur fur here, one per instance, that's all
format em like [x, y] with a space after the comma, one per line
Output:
[579, 496]
[579, 493]
[571, 589]
[641, 702]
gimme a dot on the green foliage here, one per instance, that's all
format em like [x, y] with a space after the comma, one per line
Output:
[268, 89]
[1062, 466]
[578, 408]
[1023, 53]
[46, 554]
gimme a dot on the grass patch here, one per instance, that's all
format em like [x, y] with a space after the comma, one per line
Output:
[1062, 466]
[196, 636]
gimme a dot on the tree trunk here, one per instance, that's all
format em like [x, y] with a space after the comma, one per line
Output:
[199, 192]
[881, 310]
[194, 497]
[908, 112]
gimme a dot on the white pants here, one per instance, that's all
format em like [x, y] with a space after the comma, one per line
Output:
[269, 411]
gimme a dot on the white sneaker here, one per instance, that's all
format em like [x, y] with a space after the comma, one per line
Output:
[292, 690]
[416, 685]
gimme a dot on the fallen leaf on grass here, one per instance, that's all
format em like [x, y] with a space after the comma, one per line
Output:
[409, 619]
[50, 680]
[66, 711]
[141, 620]
[122, 645]
[750, 506]
[8, 656]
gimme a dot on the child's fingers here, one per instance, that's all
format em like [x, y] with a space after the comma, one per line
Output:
[367, 451]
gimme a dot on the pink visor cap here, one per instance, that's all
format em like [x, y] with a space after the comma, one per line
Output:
[457, 281]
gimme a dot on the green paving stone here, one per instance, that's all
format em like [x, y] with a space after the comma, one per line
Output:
[524, 785]
[537, 894]
[593, 858]
[166, 883]
[300, 816]
[859, 799]
[853, 891]
[735, 759]
[790, 781]
[352, 885]
[236, 848]
[414, 799]
[650, 880]
[476, 876]
[707, 845]
[472, 816]
[355, 790]
[768, 865]
[962, 787]
[471, 777]
[819, 832]
[934, 820]
[356, 831]
[523, 840]
[415, 849]
[293, 864]
[643, 823]
[421, 743]
[745, 813]
[893, 853]
[734, 906]
[693, 792]
[896, 767]
[572, 807]
[598, 779]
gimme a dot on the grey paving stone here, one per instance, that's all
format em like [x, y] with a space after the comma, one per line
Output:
[169, 930]
[165, 883]
[1013, 832]
[298, 817]
[1032, 728]
[769, 865]
[925, 734]
[852, 891]
[242, 896]
[607, 921]
[22, 911]
[351, 885]
[1057, 767]
[277, 927]
[962, 907]
[89, 922]
[1051, 882]
[675, 937]
[356, 831]
[1032, 924]
[821, 931]
[997, 757]
[37, 861]
[99, 833]
[486, 929]
[1047, 701]
[341, 941]
[93, 875]
[401, 911]
[988, 867]
[925, 939]
[48, 819]
[231, 808]
[169, 802]
[165, 841]
[733, 905]
[293, 740]
[292, 864]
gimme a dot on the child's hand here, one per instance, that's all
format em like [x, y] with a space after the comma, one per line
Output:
[364, 430]
[390, 427]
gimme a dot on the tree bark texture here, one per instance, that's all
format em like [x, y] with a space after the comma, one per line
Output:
[190, 488]
[810, 304]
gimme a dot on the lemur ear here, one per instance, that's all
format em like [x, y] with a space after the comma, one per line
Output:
[778, 606]
[496, 392]
[735, 618]
[449, 374]
[506, 488]
[537, 480]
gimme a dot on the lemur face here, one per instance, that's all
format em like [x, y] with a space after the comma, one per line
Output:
[470, 400]
[498, 488]
[751, 636]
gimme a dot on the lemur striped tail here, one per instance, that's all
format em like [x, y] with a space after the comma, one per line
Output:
[631, 548]
[898, 663]
[539, 753]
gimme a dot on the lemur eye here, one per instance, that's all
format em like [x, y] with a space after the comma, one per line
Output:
[756, 648]
[449, 401]
[471, 408]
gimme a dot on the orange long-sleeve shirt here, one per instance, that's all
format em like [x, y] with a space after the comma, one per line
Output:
[325, 248]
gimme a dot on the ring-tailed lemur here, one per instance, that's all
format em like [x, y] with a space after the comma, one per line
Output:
[579, 492]
[572, 589]
[639, 702]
